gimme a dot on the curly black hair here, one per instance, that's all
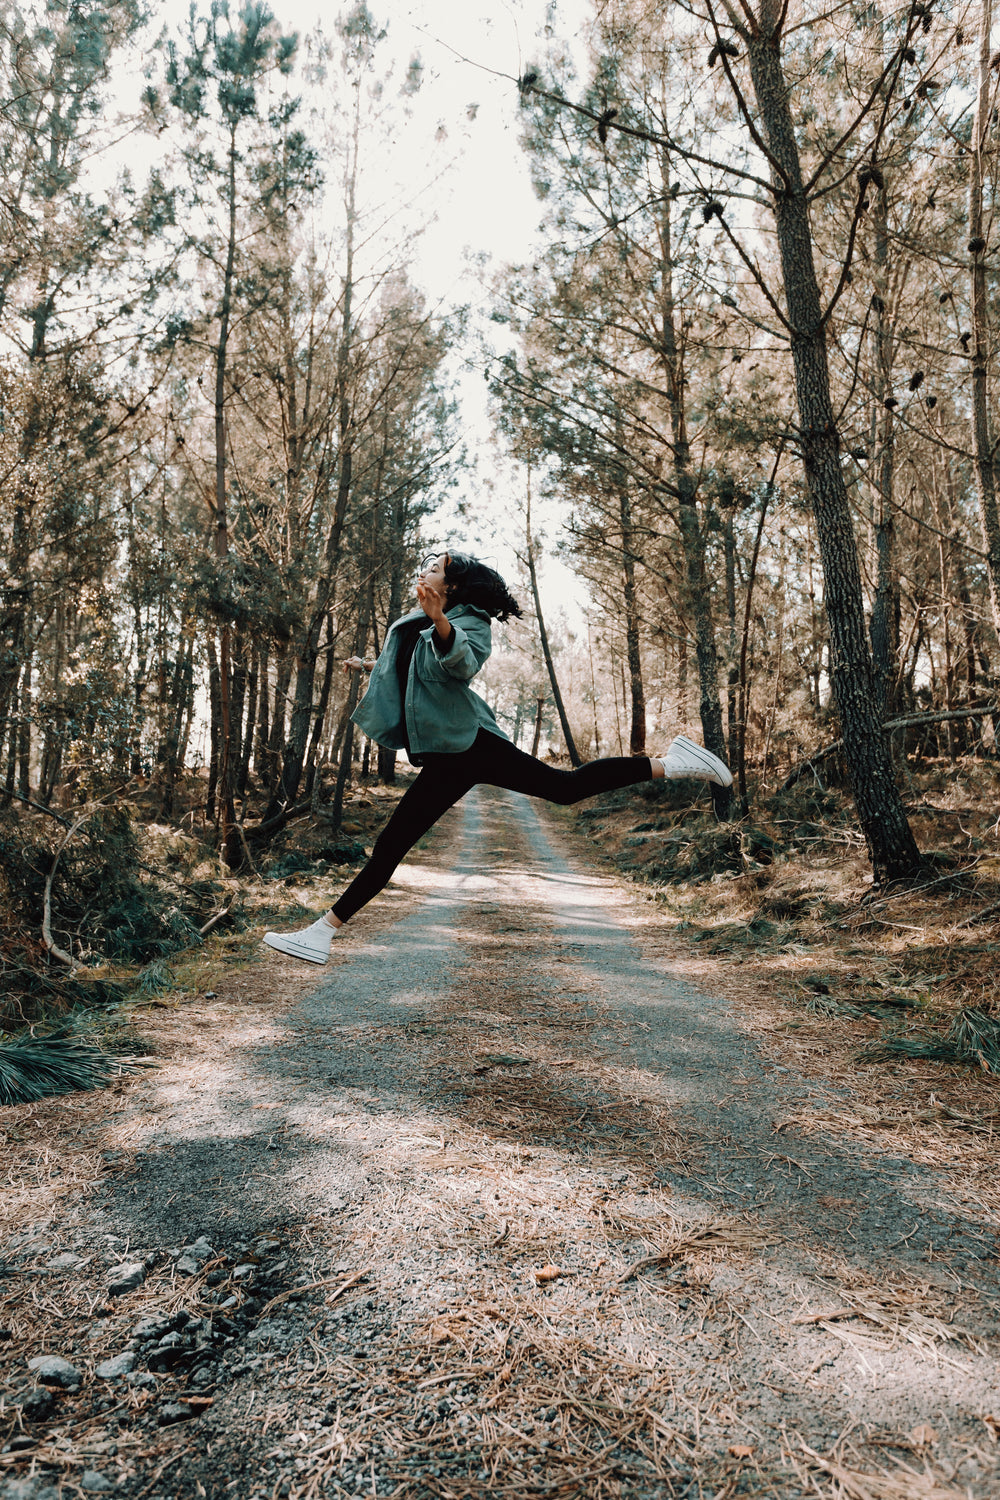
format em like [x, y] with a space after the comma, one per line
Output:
[472, 582]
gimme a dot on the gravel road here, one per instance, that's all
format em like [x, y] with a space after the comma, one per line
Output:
[497, 1205]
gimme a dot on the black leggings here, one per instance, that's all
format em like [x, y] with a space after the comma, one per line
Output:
[444, 779]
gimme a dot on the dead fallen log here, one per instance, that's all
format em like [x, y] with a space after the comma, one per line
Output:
[906, 722]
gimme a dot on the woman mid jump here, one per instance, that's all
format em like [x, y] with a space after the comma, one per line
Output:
[419, 700]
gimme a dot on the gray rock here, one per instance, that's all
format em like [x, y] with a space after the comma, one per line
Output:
[126, 1277]
[193, 1257]
[174, 1411]
[117, 1366]
[66, 1262]
[153, 1322]
[37, 1405]
[241, 1273]
[90, 1479]
[141, 1380]
[50, 1369]
[200, 1250]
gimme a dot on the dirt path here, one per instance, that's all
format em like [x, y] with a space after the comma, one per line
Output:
[497, 1206]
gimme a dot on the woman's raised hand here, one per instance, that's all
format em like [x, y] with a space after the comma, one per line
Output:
[431, 601]
[354, 664]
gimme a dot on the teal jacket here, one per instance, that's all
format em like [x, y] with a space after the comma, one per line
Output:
[441, 711]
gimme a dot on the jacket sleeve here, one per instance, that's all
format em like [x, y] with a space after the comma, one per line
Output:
[471, 644]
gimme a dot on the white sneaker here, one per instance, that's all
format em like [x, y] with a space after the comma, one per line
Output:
[311, 943]
[685, 758]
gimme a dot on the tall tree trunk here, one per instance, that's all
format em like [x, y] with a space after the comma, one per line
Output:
[550, 667]
[286, 788]
[347, 744]
[891, 845]
[10, 771]
[214, 727]
[697, 585]
[261, 732]
[276, 736]
[637, 724]
[981, 438]
[884, 627]
[252, 678]
[230, 841]
[170, 755]
[320, 711]
[24, 736]
[732, 668]
[537, 733]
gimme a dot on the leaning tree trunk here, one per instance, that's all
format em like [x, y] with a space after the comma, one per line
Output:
[985, 473]
[891, 845]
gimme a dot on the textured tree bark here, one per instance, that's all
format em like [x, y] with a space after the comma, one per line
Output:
[891, 845]
[981, 438]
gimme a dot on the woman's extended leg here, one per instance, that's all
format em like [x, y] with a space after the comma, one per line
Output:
[501, 764]
[438, 787]
[441, 783]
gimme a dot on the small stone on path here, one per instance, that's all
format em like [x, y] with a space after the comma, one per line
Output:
[126, 1278]
[174, 1411]
[50, 1369]
[117, 1366]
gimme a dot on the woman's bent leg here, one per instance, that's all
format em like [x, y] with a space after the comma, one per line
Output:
[438, 787]
[501, 764]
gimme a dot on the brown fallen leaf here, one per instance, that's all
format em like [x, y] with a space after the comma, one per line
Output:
[198, 1403]
[923, 1435]
[546, 1274]
[740, 1450]
[439, 1333]
[993, 1427]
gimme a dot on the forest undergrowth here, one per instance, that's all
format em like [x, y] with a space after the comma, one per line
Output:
[138, 911]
